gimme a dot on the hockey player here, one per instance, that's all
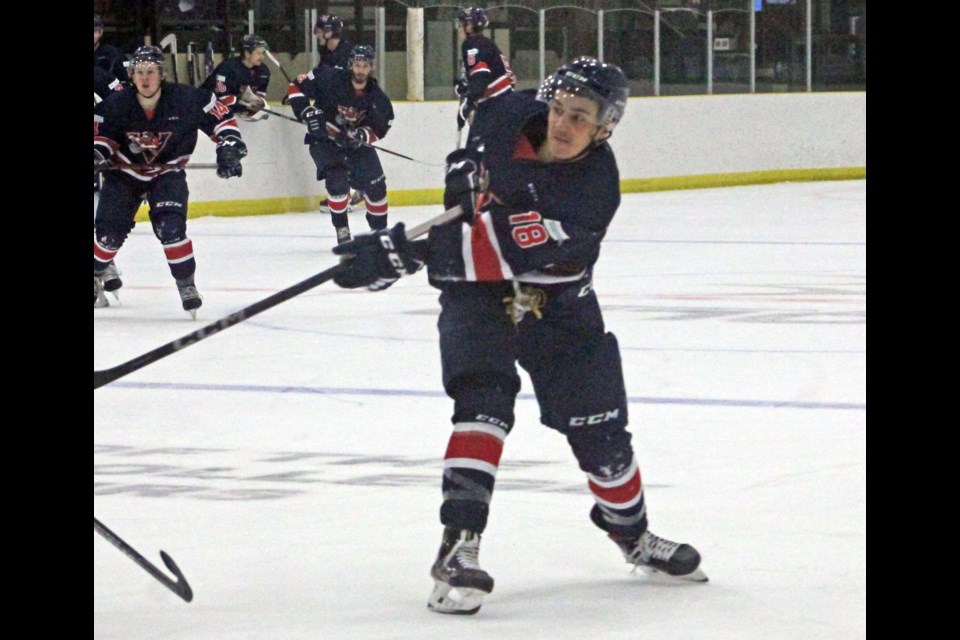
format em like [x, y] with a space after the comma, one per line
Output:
[155, 123]
[485, 72]
[106, 56]
[334, 48]
[516, 282]
[243, 79]
[345, 112]
[103, 85]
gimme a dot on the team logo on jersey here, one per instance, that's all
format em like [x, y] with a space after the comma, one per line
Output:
[149, 143]
[472, 56]
[221, 84]
[350, 115]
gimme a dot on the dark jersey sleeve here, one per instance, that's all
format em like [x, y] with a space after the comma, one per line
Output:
[379, 117]
[215, 118]
[486, 70]
[104, 83]
[539, 222]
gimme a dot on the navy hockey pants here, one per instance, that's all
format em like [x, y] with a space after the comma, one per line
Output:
[575, 368]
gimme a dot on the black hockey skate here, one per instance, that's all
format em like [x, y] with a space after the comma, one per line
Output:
[656, 555]
[111, 279]
[190, 297]
[653, 554]
[459, 583]
[343, 235]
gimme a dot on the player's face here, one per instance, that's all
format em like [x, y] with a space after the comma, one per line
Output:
[571, 126]
[361, 70]
[255, 57]
[97, 34]
[146, 77]
[318, 34]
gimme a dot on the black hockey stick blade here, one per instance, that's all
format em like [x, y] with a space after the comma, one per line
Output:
[178, 586]
[106, 376]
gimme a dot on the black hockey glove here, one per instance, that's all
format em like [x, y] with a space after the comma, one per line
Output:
[316, 123]
[377, 260]
[229, 152]
[463, 183]
[359, 137]
[347, 139]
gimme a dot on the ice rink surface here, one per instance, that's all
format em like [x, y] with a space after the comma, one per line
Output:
[291, 464]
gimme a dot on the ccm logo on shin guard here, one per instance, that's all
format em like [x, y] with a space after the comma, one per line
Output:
[594, 419]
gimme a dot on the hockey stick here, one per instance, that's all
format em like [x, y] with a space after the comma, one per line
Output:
[146, 167]
[107, 376]
[366, 144]
[277, 62]
[170, 40]
[178, 586]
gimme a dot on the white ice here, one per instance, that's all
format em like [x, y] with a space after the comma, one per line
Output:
[291, 464]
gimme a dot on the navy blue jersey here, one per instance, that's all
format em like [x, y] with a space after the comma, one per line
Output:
[126, 134]
[104, 83]
[331, 90]
[485, 68]
[339, 57]
[231, 76]
[538, 222]
[110, 59]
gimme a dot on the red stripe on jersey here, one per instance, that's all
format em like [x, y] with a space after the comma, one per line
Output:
[480, 66]
[102, 254]
[621, 494]
[499, 85]
[178, 252]
[486, 260]
[475, 445]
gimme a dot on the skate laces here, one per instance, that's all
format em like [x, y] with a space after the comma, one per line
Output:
[467, 552]
[654, 547]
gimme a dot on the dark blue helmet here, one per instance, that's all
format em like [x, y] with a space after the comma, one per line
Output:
[147, 53]
[476, 15]
[251, 42]
[97, 22]
[605, 84]
[332, 23]
[362, 52]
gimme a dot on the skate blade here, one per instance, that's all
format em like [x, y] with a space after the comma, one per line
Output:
[193, 313]
[697, 575]
[101, 302]
[455, 600]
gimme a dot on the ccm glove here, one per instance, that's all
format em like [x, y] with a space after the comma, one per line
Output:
[316, 123]
[229, 152]
[377, 260]
[462, 182]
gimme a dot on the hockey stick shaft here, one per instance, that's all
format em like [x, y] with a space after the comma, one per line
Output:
[146, 167]
[366, 144]
[279, 66]
[107, 376]
[178, 586]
